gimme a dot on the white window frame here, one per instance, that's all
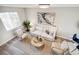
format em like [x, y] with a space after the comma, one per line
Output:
[10, 20]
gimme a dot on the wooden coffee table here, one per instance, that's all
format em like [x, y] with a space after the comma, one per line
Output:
[37, 42]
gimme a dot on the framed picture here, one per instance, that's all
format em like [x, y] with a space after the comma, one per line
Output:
[46, 18]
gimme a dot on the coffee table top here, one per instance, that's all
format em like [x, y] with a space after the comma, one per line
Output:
[35, 42]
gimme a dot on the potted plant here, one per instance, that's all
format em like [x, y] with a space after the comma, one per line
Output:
[27, 25]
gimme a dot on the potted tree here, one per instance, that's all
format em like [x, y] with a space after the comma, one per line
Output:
[27, 25]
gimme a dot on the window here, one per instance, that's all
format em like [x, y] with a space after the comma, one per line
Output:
[10, 20]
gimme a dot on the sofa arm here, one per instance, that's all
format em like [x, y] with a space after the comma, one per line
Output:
[58, 50]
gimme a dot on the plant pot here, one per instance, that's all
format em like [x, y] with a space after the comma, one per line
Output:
[28, 30]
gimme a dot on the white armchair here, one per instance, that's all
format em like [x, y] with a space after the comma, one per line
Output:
[20, 33]
[59, 48]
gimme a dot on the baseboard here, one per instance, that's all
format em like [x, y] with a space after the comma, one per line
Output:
[7, 40]
[68, 39]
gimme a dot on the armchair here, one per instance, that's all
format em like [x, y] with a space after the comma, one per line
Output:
[59, 48]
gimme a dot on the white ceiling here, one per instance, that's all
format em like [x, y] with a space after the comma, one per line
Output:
[20, 5]
[36, 5]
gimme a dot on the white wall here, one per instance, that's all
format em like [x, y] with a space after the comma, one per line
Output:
[31, 13]
[66, 18]
[4, 34]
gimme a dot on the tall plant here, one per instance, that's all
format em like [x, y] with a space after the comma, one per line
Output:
[27, 25]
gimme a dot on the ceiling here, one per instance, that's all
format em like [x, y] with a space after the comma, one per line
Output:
[36, 5]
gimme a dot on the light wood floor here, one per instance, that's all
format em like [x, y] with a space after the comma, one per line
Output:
[24, 47]
[18, 46]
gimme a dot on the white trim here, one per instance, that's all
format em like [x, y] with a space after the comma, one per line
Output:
[69, 39]
[7, 40]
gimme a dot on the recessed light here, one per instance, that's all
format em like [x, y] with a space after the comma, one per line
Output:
[44, 5]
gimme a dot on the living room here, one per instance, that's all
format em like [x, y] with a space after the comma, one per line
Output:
[60, 22]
